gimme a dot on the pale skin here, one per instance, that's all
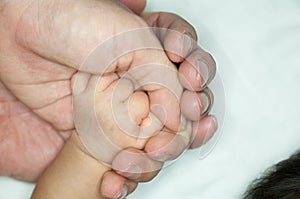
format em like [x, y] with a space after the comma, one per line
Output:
[75, 167]
[39, 70]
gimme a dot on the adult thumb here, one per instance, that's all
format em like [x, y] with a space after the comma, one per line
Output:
[136, 6]
[66, 32]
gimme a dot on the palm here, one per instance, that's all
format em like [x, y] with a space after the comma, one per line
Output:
[35, 104]
[33, 131]
[41, 92]
[36, 107]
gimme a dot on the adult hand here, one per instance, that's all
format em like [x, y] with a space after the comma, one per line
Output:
[37, 65]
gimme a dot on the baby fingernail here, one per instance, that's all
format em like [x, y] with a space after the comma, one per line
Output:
[183, 123]
[124, 192]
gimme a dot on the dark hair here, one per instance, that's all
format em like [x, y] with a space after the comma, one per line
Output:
[281, 181]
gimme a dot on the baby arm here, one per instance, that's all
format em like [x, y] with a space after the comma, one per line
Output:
[73, 174]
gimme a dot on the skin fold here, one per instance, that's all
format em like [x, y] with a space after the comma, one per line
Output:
[37, 66]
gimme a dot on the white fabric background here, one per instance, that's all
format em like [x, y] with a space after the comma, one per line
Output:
[256, 44]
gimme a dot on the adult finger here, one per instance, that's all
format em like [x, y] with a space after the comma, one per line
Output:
[68, 36]
[136, 6]
[168, 145]
[179, 40]
[203, 130]
[114, 185]
[134, 164]
[177, 35]
[195, 105]
[197, 70]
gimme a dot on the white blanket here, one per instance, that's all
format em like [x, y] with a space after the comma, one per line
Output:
[256, 44]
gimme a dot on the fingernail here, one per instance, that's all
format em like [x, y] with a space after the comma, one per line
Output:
[124, 193]
[213, 126]
[205, 103]
[183, 123]
[189, 40]
[203, 71]
[186, 133]
[133, 171]
[214, 123]
[161, 156]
